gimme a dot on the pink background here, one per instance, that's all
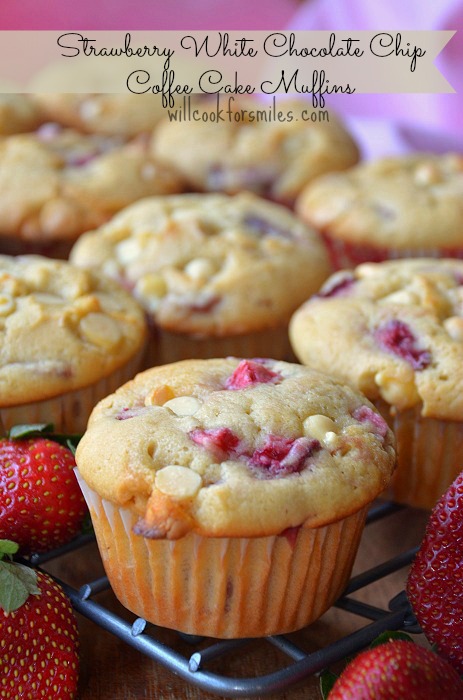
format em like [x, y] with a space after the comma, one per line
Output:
[435, 118]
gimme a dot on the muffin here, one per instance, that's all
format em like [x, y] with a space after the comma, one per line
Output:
[228, 496]
[56, 183]
[109, 114]
[69, 337]
[217, 275]
[18, 113]
[402, 207]
[394, 330]
[272, 158]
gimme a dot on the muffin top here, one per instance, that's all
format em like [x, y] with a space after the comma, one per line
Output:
[18, 113]
[61, 328]
[272, 157]
[231, 448]
[398, 333]
[56, 183]
[413, 201]
[209, 264]
[110, 114]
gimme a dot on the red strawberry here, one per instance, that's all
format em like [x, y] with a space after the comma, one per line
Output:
[41, 505]
[397, 670]
[38, 635]
[435, 581]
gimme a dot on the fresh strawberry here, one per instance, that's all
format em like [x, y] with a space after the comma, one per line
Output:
[41, 505]
[38, 634]
[397, 670]
[435, 580]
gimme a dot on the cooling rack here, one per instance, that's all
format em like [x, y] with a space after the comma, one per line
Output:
[194, 667]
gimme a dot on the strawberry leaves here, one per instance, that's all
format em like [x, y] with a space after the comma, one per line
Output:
[17, 581]
[30, 430]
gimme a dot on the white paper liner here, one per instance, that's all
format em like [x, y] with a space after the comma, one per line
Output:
[429, 456]
[348, 255]
[225, 587]
[164, 347]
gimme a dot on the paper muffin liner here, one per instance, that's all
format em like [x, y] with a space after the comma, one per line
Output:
[165, 347]
[69, 412]
[348, 255]
[225, 587]
[429, 456]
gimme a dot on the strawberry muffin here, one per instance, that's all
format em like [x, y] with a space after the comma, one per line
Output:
[228, 496]
[110, 114]
[394, 330]
[406, 206]
[56, 183]
[68, 338]
[217, 275]
[18, 113]
[271, 157]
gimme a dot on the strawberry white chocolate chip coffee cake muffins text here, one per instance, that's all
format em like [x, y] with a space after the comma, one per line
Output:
[68, 338]
[395, 207]
[228, 496]
[217, 275]
[394, 330]
[274, 158]
[56, 183]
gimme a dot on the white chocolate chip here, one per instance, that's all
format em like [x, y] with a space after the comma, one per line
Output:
[100, 330]
[178, 482]
[7, 304]
[427, 174]
[366, 270]
[48, 299]
[159, 395]
[151, 285]
[111, 268]
[184, 405]
[89, 109]
[319, 427]
[148, 171]
[128, 250]
[199, 269]
[330, 439]
[454, 327]
[403, 296]
[398, 389]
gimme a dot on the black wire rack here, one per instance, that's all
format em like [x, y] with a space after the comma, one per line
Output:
[299, 664]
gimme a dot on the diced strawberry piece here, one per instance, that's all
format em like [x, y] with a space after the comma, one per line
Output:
[364, 414]
[251, 372]
[219, 440]
[126, 412]
[281, 456]
[337, 286]
[396, 337]
[264, 227]
[204, 305]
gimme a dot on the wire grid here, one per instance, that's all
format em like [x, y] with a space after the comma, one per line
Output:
[193, 668]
